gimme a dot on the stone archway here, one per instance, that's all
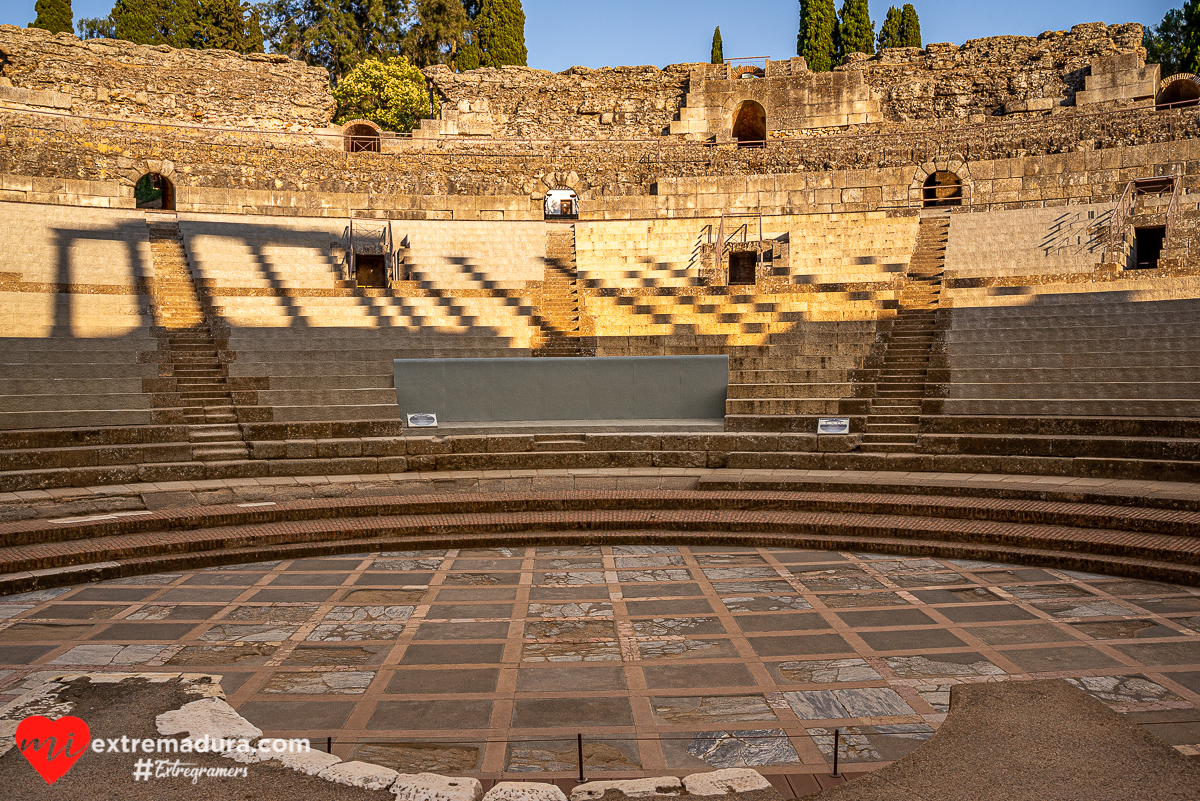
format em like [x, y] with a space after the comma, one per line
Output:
[750, 124]
[943, 182]
[1179, 91]
[942, 189]
[154, 191]
[361, 136]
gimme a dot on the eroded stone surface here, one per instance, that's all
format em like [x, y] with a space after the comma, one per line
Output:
[1124, 689]
[711, 709]
[248, 633]
[524, 791]
[571, 630]
[828, 671]
[921, 666]
[722, 782]
[432, 787]
[108, 655]
[739, 749]
[420, 757]
[369, 614]
[571, 652]
[355, 632]
[360, 774]
[582, 609]
[330, 683]
[765, 603]
[630, 788]
[208, 717]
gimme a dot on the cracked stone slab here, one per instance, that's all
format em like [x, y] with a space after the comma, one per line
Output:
[355, 632]
[1082, 608]
[100, 655]
[524, 791]
[942, 665]
[248, 632]
[723, 782]
[406, 565]
[742, 749]
[765, 603]
[272, 614]
[677, 627]
[571, 652]
[827, 671]
[222, 654]
[570, 578]
[737, 573]
[208, 717]
[369, 614]
[329, 683]
[837, 579]
[863, 702]
[432, 787]
[1124, 689]
[651, 575]
[629, 788]
[360, 774]
[562, 755]
[581, 609]
[711, 709]
[665, 560]
[571, 630]
[685, 649]
[642, 550]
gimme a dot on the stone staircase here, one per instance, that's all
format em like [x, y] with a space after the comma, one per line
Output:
[559, 333]
[196, 363]
[908, 339]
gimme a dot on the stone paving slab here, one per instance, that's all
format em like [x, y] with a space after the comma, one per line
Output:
[666, 682]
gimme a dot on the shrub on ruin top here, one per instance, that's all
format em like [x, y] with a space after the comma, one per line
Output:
[391, 93]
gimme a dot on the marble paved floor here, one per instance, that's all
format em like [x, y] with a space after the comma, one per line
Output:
[666, 658]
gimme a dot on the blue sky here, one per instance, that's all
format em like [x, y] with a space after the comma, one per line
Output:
[562, 33]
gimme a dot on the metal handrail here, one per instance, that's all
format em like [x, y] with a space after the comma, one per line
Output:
[1172, 212]
[1116, 225]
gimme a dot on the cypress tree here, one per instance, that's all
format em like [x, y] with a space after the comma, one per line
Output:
[818, 30]
[54, 16]
[718, 55]
[910, 27]
[500, 32]
[1189, 53]
[856, 28]
[889, 34]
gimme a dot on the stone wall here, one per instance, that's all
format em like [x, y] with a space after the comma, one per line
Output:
[997, 75]
[984, 77]
[580, 103]
[1071, 158]
[110, 78]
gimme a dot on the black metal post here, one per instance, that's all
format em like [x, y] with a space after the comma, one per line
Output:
[581, 779]
[329, 745]
[836, 735]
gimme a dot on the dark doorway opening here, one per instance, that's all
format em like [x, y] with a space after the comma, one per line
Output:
[361, 138]
[153, 191]
[750, 124]
[942, 189]
[1147, 247]
[741, 267]
[369, 271]
[1182, 93]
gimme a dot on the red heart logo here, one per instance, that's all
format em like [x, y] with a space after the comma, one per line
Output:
[50, 745]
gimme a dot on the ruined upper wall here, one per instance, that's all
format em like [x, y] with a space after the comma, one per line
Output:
[997, 75]
[580, 103]
[112, 78]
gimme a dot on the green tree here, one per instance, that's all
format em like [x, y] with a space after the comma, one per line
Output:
[151, 22]
[54, 16]
[1189, 51]
[500, 32]
[96, 28]
[392, 94]
[910, 27]
[225, 25]
[441, 35]
[818, 29]
[337, 34]
[889, 33]
[718, 53]
[857, 31]
[1164, 42]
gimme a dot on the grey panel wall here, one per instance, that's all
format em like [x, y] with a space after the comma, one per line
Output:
[605, 388]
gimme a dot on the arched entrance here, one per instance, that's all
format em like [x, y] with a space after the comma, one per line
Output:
[562, 204]
[1179, 91]
[361, 136]
[750, 124]
[153, 191]
[942, 188]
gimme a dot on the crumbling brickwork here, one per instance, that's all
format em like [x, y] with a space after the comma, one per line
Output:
[110, 78]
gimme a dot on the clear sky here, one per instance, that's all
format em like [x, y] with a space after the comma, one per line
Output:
[562, 33]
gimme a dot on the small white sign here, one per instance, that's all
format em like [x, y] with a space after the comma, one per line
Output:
[422, 420]
[833, 425]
